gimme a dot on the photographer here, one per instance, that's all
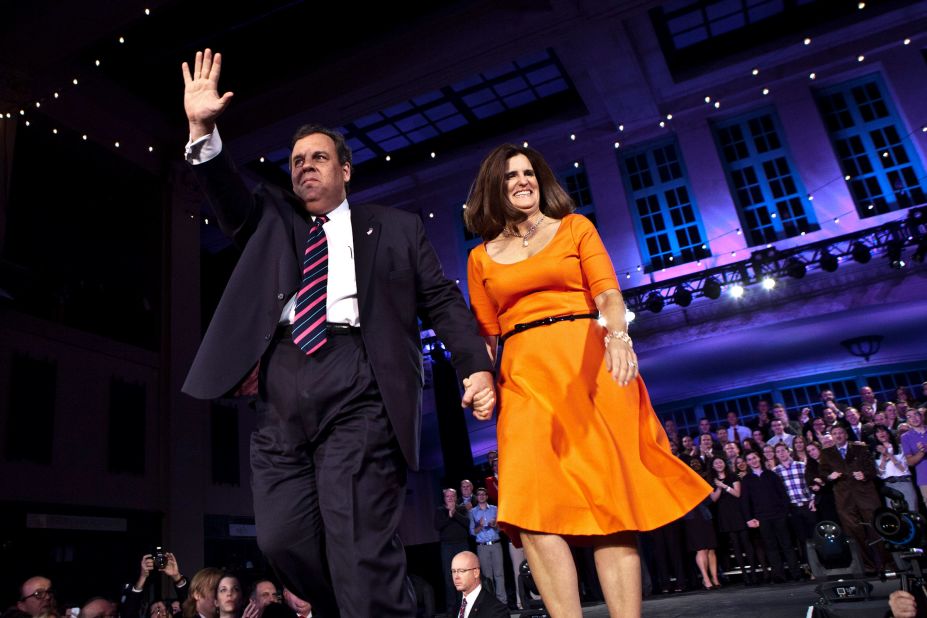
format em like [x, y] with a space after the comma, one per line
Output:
[167, 564]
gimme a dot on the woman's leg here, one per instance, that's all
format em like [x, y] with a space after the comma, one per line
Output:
[701, 559]
[713, 566]
[554, 573]
[619, 568]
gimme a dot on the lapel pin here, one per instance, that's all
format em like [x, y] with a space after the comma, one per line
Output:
[369, 231]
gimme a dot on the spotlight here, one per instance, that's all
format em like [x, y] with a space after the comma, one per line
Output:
[736, 290]
[795, 268]
[893, 251]
[654, 302]
[861, 253]
[712, 288]
[768, 283]
[682, 296]
[828, 261]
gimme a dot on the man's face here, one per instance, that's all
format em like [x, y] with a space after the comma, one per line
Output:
[852, 416]
[782, 453]
[265, 593]
[157, 610]
[829, 416]
[879, 418]
[491, 456]
[481, 496]
[762, 407]
[705, 442]
[465, 570]
[839, 435]
[915, 418]
[704, 425]
[731, 419]
[466, 489]
[827, 396]
[101, 608]
[866, 393]
[730, 450]
[753, 460]
[450, 499]
[777, 427]
[318, 177]
[36, 596]
[670, 426]
[780, 413]
[722, 435]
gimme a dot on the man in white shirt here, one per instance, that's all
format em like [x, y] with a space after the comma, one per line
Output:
[735, 431]
[465, 568]
[779, 435]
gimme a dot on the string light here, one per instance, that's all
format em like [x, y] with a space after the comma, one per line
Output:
[116, 144]
[38, 104]
[907, 41]
[717, 104]
[756, 72]
[812, 75]
[84, 137]
[96, 62]
[576, 164]
[122, 40]
[433, 155]
[525, 144]
[707, 99]
[147, 11]
[662, 124]
[261, 159]
[431, 215]
[617, 145]
[669, 116]
[860, 58]
[572, 137]
[74, 81]
[388, 158]
[765, 91]
[151, 149]
[55, 95]
[621, 127]
[861, 5]
[807, 41]
[55, 131]
[836, 219]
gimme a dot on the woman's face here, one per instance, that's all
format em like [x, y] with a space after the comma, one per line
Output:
[687, 442]
[757, 436]
[769, 452]
[718, 465]
[813, 451]
[882, 435]
[798, 444]
[740, 463]
[228, 595]
[901, 395]
[521, 185]
[818, 426]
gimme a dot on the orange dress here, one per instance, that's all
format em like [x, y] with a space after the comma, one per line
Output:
[579, 455]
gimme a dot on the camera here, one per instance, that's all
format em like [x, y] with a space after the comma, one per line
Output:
[160, 558]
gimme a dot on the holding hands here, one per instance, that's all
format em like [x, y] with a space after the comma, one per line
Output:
[480, 394]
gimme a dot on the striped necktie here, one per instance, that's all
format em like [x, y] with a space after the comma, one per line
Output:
[463, 608]
[309, 330]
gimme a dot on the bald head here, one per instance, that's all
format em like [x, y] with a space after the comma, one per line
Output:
[465, 568]
[99, 608]
[36, 596]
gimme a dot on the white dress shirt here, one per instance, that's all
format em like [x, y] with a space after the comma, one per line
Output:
[341, 286]
[471, 599]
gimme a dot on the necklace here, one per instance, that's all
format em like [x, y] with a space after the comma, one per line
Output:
[524, 237]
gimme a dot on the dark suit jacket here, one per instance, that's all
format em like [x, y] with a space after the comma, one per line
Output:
[847, 490]
[487, 605]
[764, 497]
[399, 280]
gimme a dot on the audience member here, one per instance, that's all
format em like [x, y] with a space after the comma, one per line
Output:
[475, 601]
[264, 592]
[762, 419]
[767, 508]
[779, 436]
[36, 596]
[201, 600]
[731, 521]
[452, 522]
[700, 535]
[892, 467]
[779, 413]
[302, 608]
[484, 528]
[735, 431]
[801, 501]
[467, 499]
[914, 446]
[98, 607]
[850, 467]
[132, 600]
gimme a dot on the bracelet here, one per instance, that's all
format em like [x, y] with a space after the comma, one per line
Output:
[621, 335]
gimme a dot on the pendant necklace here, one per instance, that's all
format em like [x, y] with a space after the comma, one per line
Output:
[524, 237]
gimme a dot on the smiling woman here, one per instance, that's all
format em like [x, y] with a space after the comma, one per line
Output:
[568, 388]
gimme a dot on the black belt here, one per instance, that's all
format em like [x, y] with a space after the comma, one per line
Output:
[545, 321]
[488, 543]
[286, 330]
[898, 479]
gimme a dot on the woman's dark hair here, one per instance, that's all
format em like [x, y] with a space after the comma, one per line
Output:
[489, 211]
[713, 474]
[891, 437]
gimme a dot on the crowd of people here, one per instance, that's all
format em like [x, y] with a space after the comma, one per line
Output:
[210, 593]
[776, 476]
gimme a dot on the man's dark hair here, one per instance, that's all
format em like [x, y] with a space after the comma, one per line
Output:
[341, 146]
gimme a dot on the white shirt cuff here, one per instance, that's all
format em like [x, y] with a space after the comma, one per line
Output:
[203, 149]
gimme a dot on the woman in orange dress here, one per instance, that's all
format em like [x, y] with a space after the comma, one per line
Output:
[583, 458]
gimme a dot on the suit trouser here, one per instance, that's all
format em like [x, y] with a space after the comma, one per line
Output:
[491, 567]
[776, 539]
[328, 480]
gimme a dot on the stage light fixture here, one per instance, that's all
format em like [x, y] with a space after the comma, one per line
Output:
[861, 253]
[654, 302]
[736, 291]
[682, 296]
[829, 262]
[768, 283]
[795, 268]
[712, 288]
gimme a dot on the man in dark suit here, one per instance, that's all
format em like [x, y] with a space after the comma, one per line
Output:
[325, 300]
[476, 601]
[851, 469]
